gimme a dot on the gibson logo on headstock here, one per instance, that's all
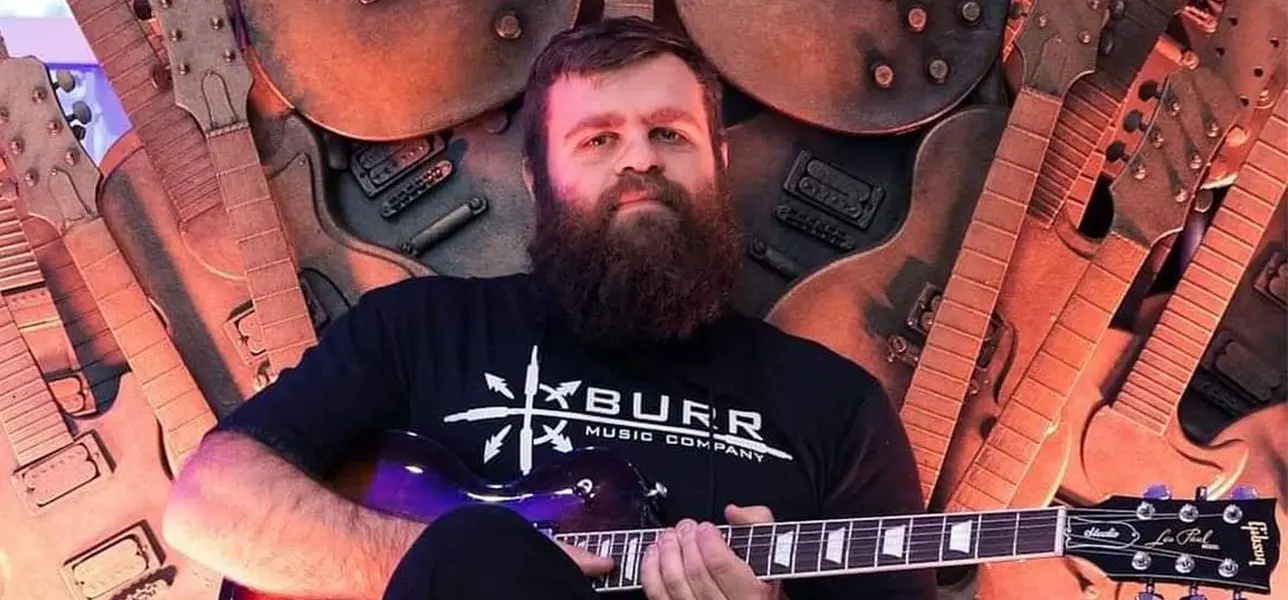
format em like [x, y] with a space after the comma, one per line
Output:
[1185, 537]
[1258, 533]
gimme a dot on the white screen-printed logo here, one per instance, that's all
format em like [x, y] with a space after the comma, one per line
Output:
[607, 413]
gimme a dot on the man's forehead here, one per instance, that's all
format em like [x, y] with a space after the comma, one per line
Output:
[658, 87]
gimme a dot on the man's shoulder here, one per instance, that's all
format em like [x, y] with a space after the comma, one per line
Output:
[450, 295]
[797, 361]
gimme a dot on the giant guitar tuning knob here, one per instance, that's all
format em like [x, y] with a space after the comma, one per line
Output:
[1244, 492]
[1158, 491]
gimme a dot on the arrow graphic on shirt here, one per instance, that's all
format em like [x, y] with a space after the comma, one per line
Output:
[497, 384]
[487, 413]
[554, 435]
[561, 393]
[492, 446]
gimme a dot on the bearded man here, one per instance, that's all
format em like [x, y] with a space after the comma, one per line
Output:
[621, 337]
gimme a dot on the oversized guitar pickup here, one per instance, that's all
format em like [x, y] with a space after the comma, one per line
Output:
[72, 468]
[816, 225]
[378, 166]
[850, 199]
[1272, 281]
[409, 190]
[920, 320]
[1236, 362]
[118, 561]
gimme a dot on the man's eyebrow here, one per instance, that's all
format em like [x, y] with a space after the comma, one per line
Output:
[598, 121]
[671, 115]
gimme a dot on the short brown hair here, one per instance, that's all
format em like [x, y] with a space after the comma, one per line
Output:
[601, 47]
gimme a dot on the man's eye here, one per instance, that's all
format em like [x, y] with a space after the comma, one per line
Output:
[668, 135]
[597, 141]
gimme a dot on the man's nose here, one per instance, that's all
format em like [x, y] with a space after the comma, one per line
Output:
[639, 155]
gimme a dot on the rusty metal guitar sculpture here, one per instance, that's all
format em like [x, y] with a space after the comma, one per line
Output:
[1194, 109]
[1058, 47]
[212, 82]
[82, 518]
[59, 185]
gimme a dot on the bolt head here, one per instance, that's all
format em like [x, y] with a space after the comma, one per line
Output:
[884, 75]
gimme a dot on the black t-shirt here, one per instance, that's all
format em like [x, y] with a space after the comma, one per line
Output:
[743, 413]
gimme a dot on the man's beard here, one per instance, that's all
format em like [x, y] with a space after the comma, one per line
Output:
[655, 277]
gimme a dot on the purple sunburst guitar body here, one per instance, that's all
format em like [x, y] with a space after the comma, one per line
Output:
[593, 499]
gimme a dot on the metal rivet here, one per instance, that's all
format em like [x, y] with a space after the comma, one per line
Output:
[216, 23]
[175, 35]
[183, 68]
[938, 70]
[1138, 170]
[884, 75]
[1042, 20]
[69, 157]
[1156, 138]
[1213, 129]
[29, 178]
[917, 19]
[1084, 37]
[38, 96]
[1196, 162]
[53, 127]
[970, 12]
[1180, 196]
[229, 55]
[15, 147]
[508, 27]
[1173, 107]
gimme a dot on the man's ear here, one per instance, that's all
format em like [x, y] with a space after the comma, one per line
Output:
[527, 174]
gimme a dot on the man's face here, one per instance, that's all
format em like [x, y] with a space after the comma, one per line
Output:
[605, 131]
[636, 235]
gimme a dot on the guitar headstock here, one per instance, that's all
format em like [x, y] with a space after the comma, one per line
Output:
[56, 179]
[1059, 42]
[1230, 544]
[1194, 111]
[211, 79]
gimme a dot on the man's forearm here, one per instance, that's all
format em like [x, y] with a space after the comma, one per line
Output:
[255, 518]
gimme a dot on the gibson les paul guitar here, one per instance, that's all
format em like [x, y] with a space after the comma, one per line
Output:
[592, 499]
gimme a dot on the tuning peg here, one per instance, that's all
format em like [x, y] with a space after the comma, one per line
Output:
[80, 112]
[1158, 491]
[1244, 492]
[1149, 593]
[78, 131]
[1194, 593]
[64, 80]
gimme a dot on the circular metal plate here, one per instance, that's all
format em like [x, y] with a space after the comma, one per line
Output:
[393, 69]
[820, 61]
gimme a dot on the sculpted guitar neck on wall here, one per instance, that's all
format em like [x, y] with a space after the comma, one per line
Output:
[1151, 200]
[1058, 46]
[212, 82]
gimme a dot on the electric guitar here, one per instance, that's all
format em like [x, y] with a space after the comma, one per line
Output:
[58, 183]
[1058, 48]
[592, 499]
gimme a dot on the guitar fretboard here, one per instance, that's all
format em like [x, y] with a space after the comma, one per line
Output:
[170, 137]
[850, 546]
[1152, 392]
[942, 376]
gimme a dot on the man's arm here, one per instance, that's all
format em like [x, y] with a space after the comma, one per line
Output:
[241, 510]
[874, 474]
[248, 503]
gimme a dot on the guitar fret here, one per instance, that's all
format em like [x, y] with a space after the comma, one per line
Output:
[1158, 374]
[1178, 340]
[809, 548]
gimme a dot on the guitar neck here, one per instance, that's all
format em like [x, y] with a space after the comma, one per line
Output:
[942, 376]
[852, 546]
[629, 8]
[170, 137]
[1152, 392]
[271, 274]
[29, 415]
[1031, 413]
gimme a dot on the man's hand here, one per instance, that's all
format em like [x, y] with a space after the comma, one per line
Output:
[592, 565]
[693, 562]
